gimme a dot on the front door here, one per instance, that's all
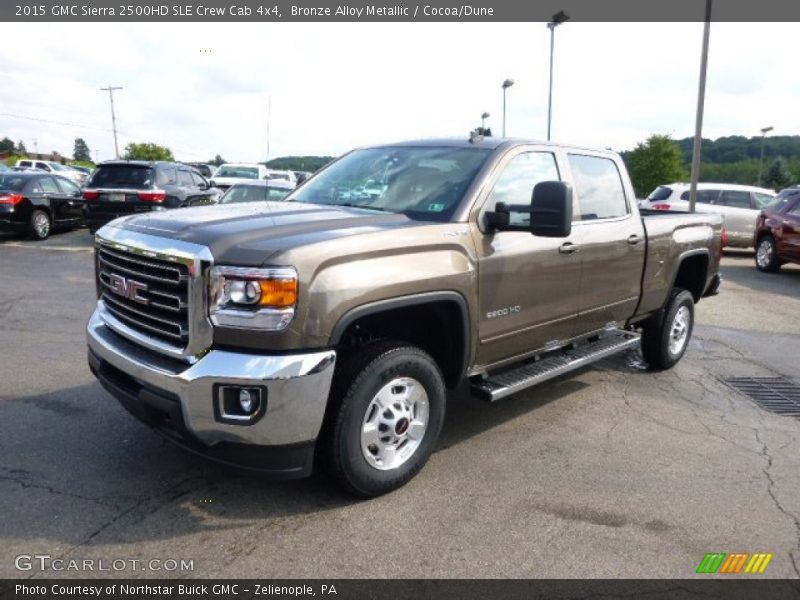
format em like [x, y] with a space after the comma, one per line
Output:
[528, 285]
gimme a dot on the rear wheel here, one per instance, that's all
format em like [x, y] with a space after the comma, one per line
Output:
[767, 255]
[387, 409]
[663, 345]
[39, 225]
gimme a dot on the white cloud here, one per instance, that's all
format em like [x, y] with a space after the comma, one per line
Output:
[334, 86]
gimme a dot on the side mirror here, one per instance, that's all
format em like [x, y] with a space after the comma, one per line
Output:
[551, 209]
[549, 213]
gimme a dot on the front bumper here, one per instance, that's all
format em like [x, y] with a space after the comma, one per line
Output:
[178, 399]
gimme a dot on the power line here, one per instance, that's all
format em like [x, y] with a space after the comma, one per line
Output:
[15, 116]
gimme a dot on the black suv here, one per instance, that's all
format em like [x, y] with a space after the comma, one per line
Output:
[123, 187]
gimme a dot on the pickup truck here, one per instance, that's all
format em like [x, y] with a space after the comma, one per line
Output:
[325, 329]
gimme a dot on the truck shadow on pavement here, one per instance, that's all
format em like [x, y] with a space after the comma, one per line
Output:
[77, 470]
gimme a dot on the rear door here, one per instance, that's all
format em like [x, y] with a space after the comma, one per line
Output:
[527, 285]
[610, 242]
[73, 202]
[738, 208]
[204, 193]
[57, 200]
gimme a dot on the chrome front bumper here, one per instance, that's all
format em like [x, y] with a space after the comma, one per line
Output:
[297, 387]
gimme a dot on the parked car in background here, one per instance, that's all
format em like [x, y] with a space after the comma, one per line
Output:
[738, 204]
[54, 168]
[4, 168]
[205, 170]
[278, 175]
[301, 176]
[85, 170]
[35, 202]
[257, 191]
[232, 173]
[124, 187]
[777, 237]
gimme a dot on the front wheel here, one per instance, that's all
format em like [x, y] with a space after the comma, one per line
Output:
[663, 345]
[767, 255]
[388, 405]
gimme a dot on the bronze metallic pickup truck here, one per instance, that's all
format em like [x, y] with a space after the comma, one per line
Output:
[326, 328]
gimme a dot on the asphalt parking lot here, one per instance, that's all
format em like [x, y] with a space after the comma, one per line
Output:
[611, 472]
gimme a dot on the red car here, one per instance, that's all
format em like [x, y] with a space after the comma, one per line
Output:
[777, 237]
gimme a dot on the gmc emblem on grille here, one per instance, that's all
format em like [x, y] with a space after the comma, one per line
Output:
[127, 288]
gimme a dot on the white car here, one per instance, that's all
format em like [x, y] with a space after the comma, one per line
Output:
[287, 176]
[740, 205]
[55, 168]
[232, 173]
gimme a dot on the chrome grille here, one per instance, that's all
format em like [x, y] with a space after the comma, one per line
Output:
[160, 307]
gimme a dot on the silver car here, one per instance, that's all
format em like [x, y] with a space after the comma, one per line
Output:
[740, 205]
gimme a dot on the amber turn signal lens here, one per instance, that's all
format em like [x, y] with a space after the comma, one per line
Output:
[278, 293]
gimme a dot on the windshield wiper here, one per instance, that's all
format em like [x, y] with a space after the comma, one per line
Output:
[351, 205]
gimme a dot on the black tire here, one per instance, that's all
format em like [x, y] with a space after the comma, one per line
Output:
[657, 349]
[359, 377]
[39, 225]
[767, 255]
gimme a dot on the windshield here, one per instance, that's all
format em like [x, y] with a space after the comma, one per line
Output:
[241, 172]
[132, 176]
[12, 183]
[252, 193]
[422, 183]
[58, 167]
[662, 192]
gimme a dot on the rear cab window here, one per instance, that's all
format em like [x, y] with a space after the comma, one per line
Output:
[598, 186]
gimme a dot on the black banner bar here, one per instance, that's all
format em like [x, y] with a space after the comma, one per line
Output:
[394, 10]
[732, 588]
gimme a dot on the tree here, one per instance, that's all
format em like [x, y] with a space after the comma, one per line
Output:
[21, 150]
[484, 131]
[81, 150]
[655, 162]
[778, 175]
[6, 145]
[147, 151]
[217, 161]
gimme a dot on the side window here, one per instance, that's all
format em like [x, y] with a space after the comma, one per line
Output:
[703, 196]
[25, 163]
[185, 178]
[198, 181]
[795, 210]
[34, 187]
[735, 198]
[167, 176]
[762, 199]
[520, 175]
[68, 187]
[45, 166]
[49, 185]
[598, 186]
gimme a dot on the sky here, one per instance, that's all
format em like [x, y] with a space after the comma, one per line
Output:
[205, 89]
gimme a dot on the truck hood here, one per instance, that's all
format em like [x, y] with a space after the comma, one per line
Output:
[248, 234]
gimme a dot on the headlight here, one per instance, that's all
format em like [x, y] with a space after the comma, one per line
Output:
[252, 298]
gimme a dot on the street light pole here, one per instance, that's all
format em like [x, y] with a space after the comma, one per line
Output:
[558, 18]
[506, 84]
[111, 91]
[701, 98]
[764, 133]
[484, 116]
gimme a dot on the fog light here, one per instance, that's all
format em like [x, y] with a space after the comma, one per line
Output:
[239, 405]
[247, 402]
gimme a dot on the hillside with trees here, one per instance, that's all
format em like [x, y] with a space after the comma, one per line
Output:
[730, 159]
[299, 163]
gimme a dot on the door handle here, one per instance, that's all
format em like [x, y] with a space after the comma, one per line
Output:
[568, 248]
[634, 239]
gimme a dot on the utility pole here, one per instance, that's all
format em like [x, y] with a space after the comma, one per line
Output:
[701, 98]
[764, 133]
[110, 89]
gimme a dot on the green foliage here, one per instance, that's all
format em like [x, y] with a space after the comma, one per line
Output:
[484, 131]
[299, 163]
[6, 145]
[81, 150]
[147, 151]
[653, 163]
[217, 161]
[12, 159]
[20, 149]
[778, 175]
